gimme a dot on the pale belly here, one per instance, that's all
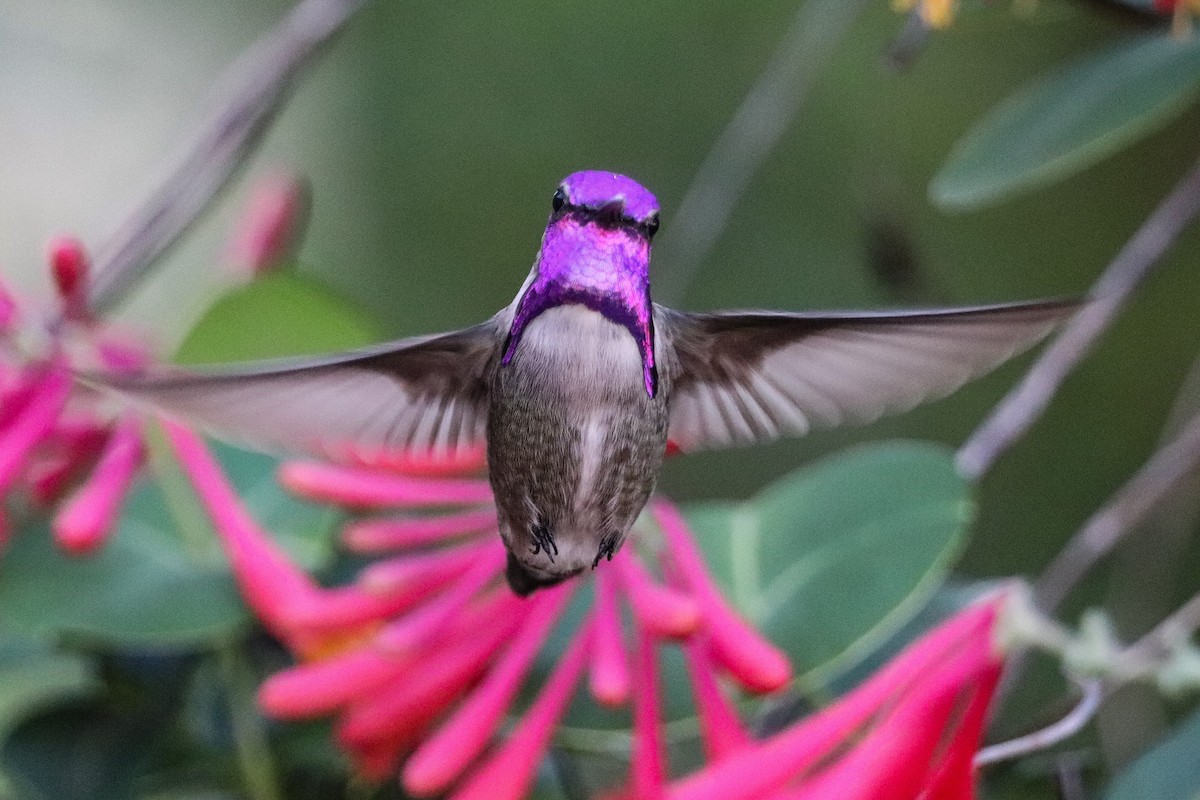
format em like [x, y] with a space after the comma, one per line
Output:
[574, 442]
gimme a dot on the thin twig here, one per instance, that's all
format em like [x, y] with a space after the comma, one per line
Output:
[749, 137]
[1139, 496]
[1024, 404]
[1051, 735]
[243, 106]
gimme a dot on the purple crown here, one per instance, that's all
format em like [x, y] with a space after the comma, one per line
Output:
[594, 189]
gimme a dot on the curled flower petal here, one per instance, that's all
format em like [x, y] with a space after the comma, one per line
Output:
[376, 535]
[751, 659]
[609, 677]
[359, 487]
[507, 774]
[80, 527]
[448, 752]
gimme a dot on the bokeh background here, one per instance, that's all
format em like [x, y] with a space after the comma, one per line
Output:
[433, 135]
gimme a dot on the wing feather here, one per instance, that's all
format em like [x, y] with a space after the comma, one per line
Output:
[425, 394]
[742, 377]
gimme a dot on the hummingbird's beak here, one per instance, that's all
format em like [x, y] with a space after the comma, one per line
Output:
[611, 212]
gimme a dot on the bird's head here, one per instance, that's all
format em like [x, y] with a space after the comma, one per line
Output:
[596, 253]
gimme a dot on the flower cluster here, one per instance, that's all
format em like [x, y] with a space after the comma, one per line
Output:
[422, 657]
[910, 732]
[64, 445]
[59, 439]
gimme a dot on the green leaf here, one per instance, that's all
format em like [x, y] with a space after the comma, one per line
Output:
[32, 673]
[153, 584]
[280, 314]
[1170, 771]
[82, 750]
[831, 560]
[1070, 120]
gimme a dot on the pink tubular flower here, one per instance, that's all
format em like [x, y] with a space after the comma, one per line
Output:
[61, 439]
[54, 433]
[910, 732]
[271, 224]
[421, 659]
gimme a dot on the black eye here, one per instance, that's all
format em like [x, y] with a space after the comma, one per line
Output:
[652, 225]
[560, 197]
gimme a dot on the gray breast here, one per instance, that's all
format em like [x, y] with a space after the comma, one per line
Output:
[575, 443]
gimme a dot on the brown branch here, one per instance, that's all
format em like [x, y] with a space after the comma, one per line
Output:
[1024, 404]
[1181, 624]
[245, 102]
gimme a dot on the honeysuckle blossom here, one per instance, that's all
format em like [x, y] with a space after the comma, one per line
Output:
[421, 658]
[64, 445]
[59, 439]
[910, 732]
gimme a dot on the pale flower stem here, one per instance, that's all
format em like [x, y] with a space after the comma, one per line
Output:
[243, 106]
[1021, 407]
[1047, 737]
[751, 134]
[250, 740]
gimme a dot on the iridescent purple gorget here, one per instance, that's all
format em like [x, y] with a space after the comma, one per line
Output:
[596, 253]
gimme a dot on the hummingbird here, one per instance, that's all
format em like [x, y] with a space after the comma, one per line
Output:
[580, 386]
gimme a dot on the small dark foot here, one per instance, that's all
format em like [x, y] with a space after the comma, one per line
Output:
[523, 582]
[543, 540]
[608, 546]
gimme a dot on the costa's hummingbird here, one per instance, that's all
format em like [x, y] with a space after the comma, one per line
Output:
[581, 384]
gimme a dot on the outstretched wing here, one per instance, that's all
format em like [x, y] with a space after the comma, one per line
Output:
[744, 377]
[426, 394]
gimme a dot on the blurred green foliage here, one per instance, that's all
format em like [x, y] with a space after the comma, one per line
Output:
[434, 135]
